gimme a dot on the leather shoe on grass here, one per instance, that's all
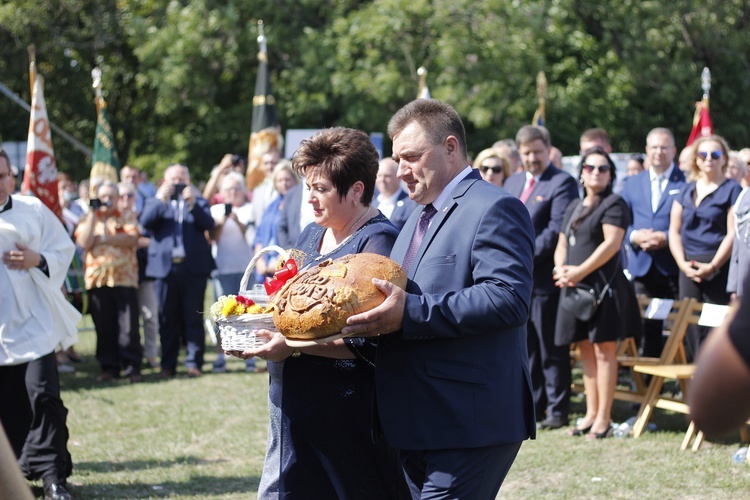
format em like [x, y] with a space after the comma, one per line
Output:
[193, 373]
[550, 423]
[56, 491]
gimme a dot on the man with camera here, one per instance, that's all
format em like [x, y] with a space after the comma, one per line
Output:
[109, 238]
[179, 259]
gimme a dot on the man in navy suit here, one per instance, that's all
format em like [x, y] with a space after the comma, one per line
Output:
[546, 191]
[392, 200]
[179, 259]
[650, 195]
[452, 380]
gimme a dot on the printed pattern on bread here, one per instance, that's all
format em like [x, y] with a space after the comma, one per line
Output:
[317, 302]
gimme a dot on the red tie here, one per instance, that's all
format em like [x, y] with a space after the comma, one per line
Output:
[416, 240]
[527, 192]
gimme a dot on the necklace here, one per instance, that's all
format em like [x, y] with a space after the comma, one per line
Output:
[325, 255]
[358, 220]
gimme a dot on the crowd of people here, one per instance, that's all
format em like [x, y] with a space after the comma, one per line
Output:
[505, 256]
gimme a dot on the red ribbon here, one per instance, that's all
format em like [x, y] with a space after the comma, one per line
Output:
[274, 283]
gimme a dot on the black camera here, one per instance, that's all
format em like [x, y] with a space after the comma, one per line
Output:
[95, 203]
[227, 209]
[178, 189]
[237, 161]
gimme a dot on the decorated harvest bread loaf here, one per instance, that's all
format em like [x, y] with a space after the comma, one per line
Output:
[317, 302]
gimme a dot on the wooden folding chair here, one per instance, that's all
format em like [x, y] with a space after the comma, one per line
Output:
[627, 350]
[681, 372]
[672, 352]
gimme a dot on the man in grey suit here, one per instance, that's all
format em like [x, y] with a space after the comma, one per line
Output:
[452, 379]
[546, 191]
[392, 200]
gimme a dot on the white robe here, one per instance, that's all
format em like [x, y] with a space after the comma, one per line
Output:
[34, 315]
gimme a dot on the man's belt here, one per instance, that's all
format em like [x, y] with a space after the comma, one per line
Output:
[178, 260]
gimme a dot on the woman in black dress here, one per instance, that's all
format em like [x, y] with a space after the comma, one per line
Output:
[320, 441]
[588, 252]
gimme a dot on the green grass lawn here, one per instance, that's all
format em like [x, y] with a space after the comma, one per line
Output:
[205, 438]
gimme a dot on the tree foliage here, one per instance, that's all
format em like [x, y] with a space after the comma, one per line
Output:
[179, 74]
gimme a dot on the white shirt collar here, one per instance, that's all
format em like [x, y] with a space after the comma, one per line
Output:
[666, 175]
[447, 190]
[388, 199]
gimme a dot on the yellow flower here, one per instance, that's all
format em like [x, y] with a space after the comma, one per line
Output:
[239, 309]
[229, 306]
[254, 309]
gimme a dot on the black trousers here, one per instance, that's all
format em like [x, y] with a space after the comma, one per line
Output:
[118, 341]
[33, 416]
[654, 285]
[181, 297]
[549, 363]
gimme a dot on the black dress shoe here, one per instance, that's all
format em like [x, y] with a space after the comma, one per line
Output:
[56, 491]
[601, 435]
[550, 423]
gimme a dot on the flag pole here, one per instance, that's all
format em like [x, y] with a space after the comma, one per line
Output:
[702, 125]
[424, 91]
[541, 94]
[96, 76]
[32, 66]
[706, 85]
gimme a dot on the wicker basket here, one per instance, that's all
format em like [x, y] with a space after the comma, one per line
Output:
[238, 331]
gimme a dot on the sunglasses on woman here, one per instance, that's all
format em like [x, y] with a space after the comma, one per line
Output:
[495, 170]
[715, 155]
[601, 168]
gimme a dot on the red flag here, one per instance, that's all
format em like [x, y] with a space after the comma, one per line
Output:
[702, 126]
[40, 176]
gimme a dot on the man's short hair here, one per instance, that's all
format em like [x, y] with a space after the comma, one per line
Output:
[437, 119]
[531, 133]
[344, 155]
[596, 134]
[4, 154]
[660, 131]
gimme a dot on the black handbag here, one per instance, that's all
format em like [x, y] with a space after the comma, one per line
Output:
[581, 301]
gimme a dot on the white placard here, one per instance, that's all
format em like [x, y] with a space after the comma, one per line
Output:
[712, 315]
[659, 308]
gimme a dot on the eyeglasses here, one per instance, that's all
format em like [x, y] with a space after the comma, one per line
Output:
[495, 170]
[601, 168]
[128, 195]
[715, 155]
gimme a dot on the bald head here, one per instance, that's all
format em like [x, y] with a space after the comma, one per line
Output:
[386, 180]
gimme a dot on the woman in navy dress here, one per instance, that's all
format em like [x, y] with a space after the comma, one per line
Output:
[320, 441]
[701, 231]
[588, 251]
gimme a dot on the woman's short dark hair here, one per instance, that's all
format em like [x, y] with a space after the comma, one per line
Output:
[344, 155]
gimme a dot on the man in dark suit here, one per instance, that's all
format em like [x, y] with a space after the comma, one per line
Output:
[452, 380]
[392, 200]
[289, 224]
[546, 191]
[179, 259]
[650, 195]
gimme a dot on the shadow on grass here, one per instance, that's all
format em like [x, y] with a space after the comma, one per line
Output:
[204, 486]
[134, 465]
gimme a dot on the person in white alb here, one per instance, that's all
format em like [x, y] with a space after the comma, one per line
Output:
[34, 319]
